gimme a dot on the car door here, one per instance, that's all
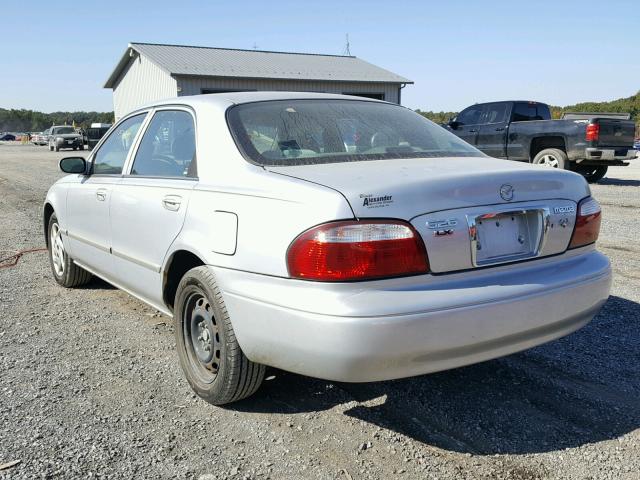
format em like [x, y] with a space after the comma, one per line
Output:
[492, 131]
[88, 202]
[466, 124]
[148, 206]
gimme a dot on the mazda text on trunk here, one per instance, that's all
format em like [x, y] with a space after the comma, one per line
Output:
[337, 237]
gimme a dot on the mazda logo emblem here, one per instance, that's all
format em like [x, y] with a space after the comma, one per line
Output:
[506, 192]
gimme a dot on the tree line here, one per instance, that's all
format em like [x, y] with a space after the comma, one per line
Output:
[621, 105]
[12, 120]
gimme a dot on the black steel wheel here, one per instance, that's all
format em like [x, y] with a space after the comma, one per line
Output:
[210, 356]
[202, 337]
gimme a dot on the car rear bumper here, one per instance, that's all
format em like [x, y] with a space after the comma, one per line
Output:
[610, 154]
[368, 331]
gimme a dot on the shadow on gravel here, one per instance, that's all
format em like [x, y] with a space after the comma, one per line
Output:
[582, 389]
[98, 284]
[620, 182]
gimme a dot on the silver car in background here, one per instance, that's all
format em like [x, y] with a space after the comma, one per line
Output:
[64, 136]
[332, 236]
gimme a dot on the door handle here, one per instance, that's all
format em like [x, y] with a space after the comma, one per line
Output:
[101, 194]
[473, 131]
[172, 202]
[500, 129]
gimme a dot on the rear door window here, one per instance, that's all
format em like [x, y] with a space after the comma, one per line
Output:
[526, 112]
[494, 113]
[168, 146]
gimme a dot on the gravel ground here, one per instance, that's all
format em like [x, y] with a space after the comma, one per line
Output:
[90, 384]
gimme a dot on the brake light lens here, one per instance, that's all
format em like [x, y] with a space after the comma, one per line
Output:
[592, 132]
[587, 226]
[352, 250]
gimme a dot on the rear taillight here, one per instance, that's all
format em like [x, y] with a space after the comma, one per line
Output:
[592, 132]
[352, 250]
[587, 223]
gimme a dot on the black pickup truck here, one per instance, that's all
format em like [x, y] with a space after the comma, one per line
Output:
[524, 131]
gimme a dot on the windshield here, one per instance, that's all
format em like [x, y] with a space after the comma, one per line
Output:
[303, 132]
[63, 130]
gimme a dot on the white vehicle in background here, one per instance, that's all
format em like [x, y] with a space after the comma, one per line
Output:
[332, 236]
[41, 138]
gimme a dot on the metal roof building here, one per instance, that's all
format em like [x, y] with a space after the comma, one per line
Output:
[148, 72]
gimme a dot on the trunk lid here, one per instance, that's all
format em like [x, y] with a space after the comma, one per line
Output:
[470, 212]
[615, 133]
[407, 188]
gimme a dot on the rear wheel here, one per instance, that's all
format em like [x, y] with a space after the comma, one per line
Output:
[551, 157]
[210, 356]
[65, 272]
[593, 173]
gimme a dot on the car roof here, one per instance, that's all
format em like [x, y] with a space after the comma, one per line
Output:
[227, 99]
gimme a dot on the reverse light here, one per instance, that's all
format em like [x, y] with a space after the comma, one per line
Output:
[357, 250]
[592, 133]
[587, 226]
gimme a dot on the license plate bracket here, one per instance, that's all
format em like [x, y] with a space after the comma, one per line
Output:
[507, 236]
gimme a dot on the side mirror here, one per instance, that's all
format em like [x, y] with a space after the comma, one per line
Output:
[73, 165]
[453, 124]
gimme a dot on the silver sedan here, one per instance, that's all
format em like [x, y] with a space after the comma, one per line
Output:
[337, 237]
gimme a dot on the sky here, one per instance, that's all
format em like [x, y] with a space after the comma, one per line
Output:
[57, 57]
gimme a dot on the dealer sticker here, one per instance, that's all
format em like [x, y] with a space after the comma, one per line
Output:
[372, 201]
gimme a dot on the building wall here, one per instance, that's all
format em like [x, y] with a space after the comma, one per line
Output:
[141, 82]
[194, 86]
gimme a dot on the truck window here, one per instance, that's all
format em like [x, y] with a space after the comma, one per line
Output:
[526, 112]
[470, 116]
[494, 113]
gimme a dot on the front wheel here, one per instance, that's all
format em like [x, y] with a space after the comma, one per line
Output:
[592, 174]
[552, 157]
[210, 356]
[65, 272]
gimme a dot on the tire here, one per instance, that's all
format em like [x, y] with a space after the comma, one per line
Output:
[552, 157]
[81, 147]
[75, 148]
[593, 173]
[50, 148]
[57, 148]
[213, 362]
[65, 272]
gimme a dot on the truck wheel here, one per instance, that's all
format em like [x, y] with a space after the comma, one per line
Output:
[210, 356]
[65, 272]
[50, 147]
[592, 174]
[57, 148]
[551, 157]
[81, 147]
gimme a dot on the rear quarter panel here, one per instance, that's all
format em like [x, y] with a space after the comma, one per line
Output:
[521, 134]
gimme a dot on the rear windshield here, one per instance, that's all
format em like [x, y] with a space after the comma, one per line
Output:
[303, 132]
